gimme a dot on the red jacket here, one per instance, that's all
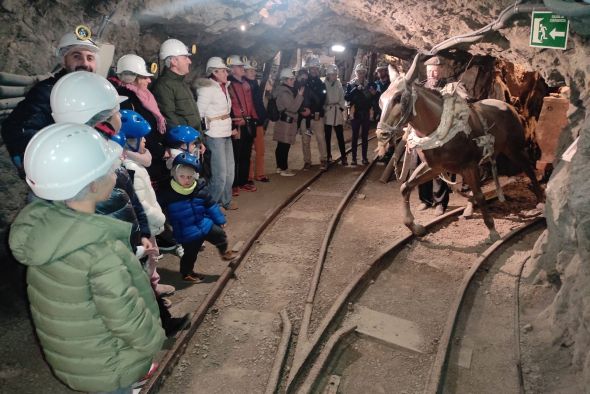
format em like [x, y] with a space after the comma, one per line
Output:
[242, 100]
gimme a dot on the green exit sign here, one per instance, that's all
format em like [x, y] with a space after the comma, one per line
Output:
[549, 30]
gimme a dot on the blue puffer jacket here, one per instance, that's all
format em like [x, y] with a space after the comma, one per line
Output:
[192, 215]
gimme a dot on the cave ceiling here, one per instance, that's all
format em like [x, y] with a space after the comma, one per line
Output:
[398, 28]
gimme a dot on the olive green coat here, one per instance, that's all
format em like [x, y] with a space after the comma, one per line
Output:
[176, 101]
[92, 304]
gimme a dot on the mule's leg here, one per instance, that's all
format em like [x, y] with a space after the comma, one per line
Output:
[421, 174]
[499, 191]
[521, 160]
[471, 176]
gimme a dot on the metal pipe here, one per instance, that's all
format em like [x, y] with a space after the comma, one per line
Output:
[13, 91]
[10, 103]
[9, 79]
[567, 8]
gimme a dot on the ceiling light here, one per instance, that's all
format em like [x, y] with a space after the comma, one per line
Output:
[338, 48]
[243, 27]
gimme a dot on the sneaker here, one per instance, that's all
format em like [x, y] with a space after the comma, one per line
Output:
[141, 382]
[287, 173]
[423, 206]
[165, 290]
[279, 170]
[229, 255]
[353, 163]
[235, 191]
[232, 206]
[365, 162]
[308, 132]
[263, 178]
[439, 210]
[306, 166]
[248, 187]
[179, 250]
[177, 324]
[192, 278]
[344, 162]
[323, 165]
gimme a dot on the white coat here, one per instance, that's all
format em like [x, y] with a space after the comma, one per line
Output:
[146, 195]
[335, 104]
[213, 102]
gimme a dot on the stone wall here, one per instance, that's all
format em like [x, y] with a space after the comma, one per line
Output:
[30, 29]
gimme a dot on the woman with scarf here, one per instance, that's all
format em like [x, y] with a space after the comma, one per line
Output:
[132, 81]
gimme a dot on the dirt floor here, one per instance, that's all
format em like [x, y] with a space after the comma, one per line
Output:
[234, 348]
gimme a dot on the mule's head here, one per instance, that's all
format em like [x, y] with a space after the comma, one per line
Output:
[396, 108]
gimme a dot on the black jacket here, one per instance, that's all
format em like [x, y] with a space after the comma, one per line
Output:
[124, 205]
[315, 95]
[257, 94]
[359, 96]
[29, 116]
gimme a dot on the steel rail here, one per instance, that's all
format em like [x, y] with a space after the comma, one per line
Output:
[359, 280]
[170, 359]
[436, 378]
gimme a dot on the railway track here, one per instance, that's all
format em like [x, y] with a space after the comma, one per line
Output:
[304, 237]
[327, 190]
[423, 338]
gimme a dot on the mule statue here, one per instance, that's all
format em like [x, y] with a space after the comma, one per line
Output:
[452, 135]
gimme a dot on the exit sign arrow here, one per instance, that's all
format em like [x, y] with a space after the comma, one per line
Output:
[554, 33]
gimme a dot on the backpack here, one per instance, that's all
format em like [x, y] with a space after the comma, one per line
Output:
[272, 111]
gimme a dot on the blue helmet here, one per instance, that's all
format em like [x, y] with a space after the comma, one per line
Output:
[187, 159]
[182, 134]
[120, 139]
[133, 125]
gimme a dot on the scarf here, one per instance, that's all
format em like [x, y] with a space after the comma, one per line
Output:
[148, 100]
[178, 188]
[144, 159]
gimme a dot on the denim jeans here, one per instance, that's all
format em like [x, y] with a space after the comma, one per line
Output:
[222, 169]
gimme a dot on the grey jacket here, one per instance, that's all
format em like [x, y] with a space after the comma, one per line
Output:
[287, 103]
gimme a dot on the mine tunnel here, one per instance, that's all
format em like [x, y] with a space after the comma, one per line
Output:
[322, 273]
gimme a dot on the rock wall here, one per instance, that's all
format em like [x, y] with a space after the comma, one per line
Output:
[30, 29]
[562, 258]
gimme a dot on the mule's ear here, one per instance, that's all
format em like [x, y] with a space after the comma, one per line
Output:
[393, 74]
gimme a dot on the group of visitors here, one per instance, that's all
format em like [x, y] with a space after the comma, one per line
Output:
[120, 171]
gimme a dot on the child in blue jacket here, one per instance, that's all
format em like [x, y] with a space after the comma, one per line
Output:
[194, 216]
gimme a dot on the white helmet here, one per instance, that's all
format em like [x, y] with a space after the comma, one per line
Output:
[134, 64]
[215, 62]
[63, 158]
[313, 61]
[332, 69]
[78, 96]
[360, 67]
[72, 40]
[235, 60]
[173, 47]
[286, 73]
[248, 66]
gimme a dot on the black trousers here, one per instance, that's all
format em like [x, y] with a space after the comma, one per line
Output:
[242, 151]
[216, 237]
[360, 124]
[282, 155]
[339, 136]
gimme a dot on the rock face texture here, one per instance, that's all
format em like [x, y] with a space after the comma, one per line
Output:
[30, 29]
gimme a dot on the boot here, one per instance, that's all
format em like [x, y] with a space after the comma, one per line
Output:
[229, 255]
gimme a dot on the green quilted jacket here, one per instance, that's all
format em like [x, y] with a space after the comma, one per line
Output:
[92, 304]
[176, 101]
